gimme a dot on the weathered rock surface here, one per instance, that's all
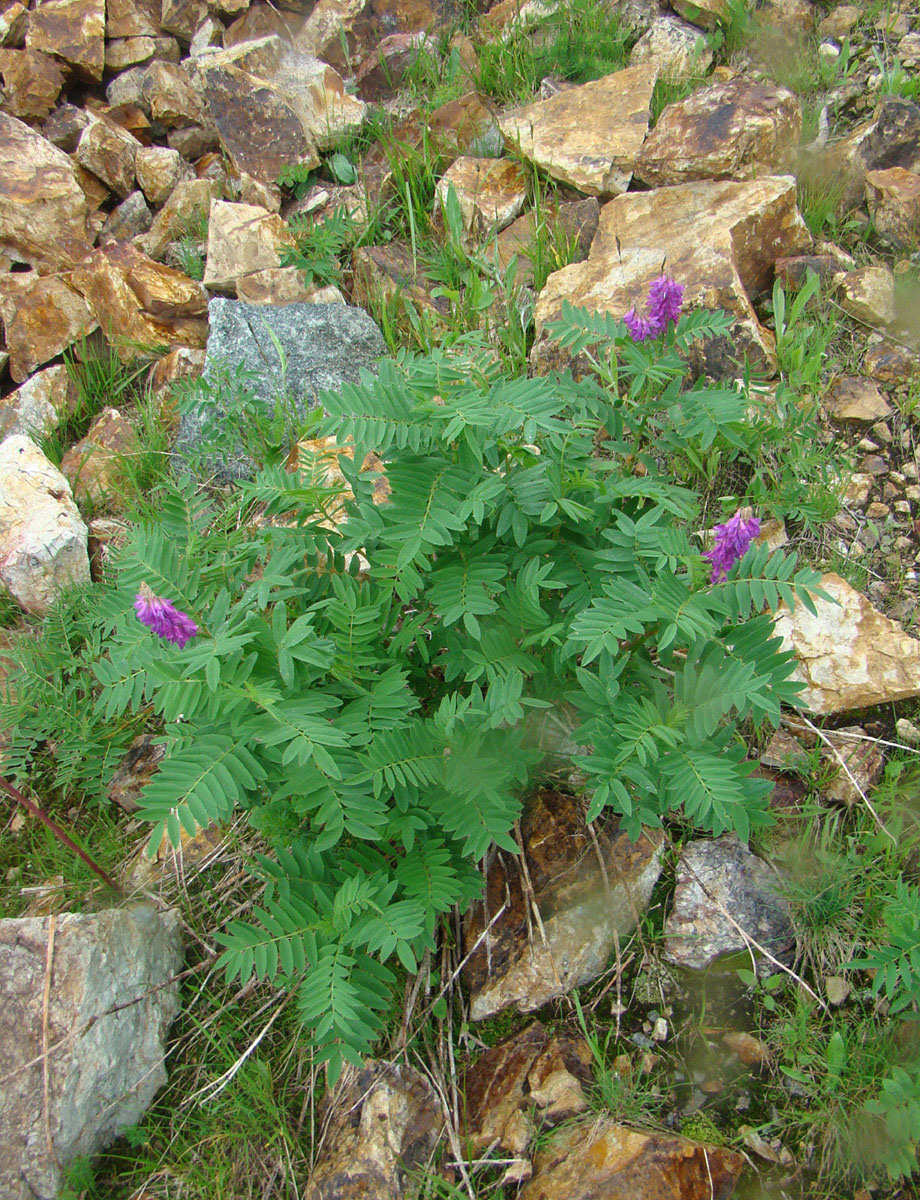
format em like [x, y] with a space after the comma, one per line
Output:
[187, 208]
[894, 204]
[733, 130]
[43, 211]
[705, 13]
[380, 75]
[325, 345]
[587, 136]
[490, 191]
[32, 83]
[284, 285]
[721, 885]
[127, 220]
[92, 464]
[849, 655]
[39, 405]
[242, 239]
[720, 239]
[109, 152]
[135, 770]
[72, 30]
[868, 294]
[582, 917]
[42, 536]
[42, 316]
[573, 223]
[104, 1066]
[387, 274]
[678, 50]
[158, 170]
[132, 18]
[616, 1162]
[385, 1121]
[170, 97]
[855, 400]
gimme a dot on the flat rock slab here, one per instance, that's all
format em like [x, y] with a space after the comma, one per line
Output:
[508, 964]
[104, 1066]
[587, 136]
[721, 885]
[324, 346]
[719, 239]
[849, 655]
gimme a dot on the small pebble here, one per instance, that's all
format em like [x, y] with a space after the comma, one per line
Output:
[907, 732]
[829, 50]
[660, 1032]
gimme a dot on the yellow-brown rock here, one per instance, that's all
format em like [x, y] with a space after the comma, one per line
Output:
[158, 170]
[733, 130]
[43, 211]
[32, 83]
[587, 136]
[122, 53]
[678, 50]
[73, 30]
[704, 13]
[139, 303]
[186, 209]
[42, 316]
[387, 275]
[94, 465]
[894, 204]
[242, 238]
[182, 17]
[172, 99]
[109, 152]
[40, 404]
[132, 18]
[13, 23]
[868, 294]
[284, 285]
[491, 192]
[328, 22]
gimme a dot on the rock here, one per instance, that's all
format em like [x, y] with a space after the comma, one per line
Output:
[72, 30]
[64, 126]
[132, 18]
[260, 57]
[719, 239]
[855, 400]
[182, 17]
[317, 94]
[109, 152]
[107, 1057]
[750, 1050]
[210, 33]
[587, 136]
[679, 51]
[466, 125]
[263, 195]
[721, 885]
[106, 538]
[506, 966]
[93, 466]
[13, 24]
[140, 303]
[894, 204]
[284, 285]
[862, 758]
[839, 22]
[42, 538]
[42, 316]
[241, 239]
[382, 72]
[793, 18]
[387, 275]
[849, 655]
[171, 99]
[603, 1159]
[891, 363]
[186, 209]
[328, 25]
[574, 222]
[381, 1123]
[39, 405]
[136, 769]
[890, 139]
[325, 345]
[128, 52]
[32, 83]
[127, 220]
[158, 170]
[733, 130]
[491, 192]
[43, 211]
[792, 269]
[868, 295]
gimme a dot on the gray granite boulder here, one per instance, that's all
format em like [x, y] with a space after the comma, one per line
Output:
[246, 380]
[112, 996]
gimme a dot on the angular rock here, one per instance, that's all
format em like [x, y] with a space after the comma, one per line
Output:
[42, 537]
[733, 130]
[616, 1162]
[32, 83]
[194, 141]
[721, 885]
[856, 400]
[263, 195]
[792, 270]
[891, 363]
[186, 209]
[107, 1057]
[13, 24]
[587, 136]
[284, 285]
[127, 220]
[128, 52]
[387, 275]
[860, 757]
[890, 139]
[139, 303]
[839, 22]
[850, 655]
[491, 193]
[109, 152]
[132, 18]
[127, 88]
[582, 920]
[39, 405]
[64, 126]
[317, 94]
[242, 239]
[260, 57]
[42, 316]
[325, 345]
[894, 204]
[210, 33]
[868, 295]
[94, 464]
[182, 17]
[719, 239]
[158, 170]
[73, 30]
[678, 50]
[43, 211]
[382, 1122]
[171, 98]
[381, 74]
[572, 224]
[466, 125]
[329, 22]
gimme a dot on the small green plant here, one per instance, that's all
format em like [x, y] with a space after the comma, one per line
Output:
[320, 245]
[895, 80]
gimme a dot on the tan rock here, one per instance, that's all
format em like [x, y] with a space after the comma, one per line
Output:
[194, 141]
[256, 56]
[891, 363]
[894, 204]
[137, 768]
[42, 537]
[94, 465]
[263, 195]
[384, 275]
[491, 193]
[855, 764]
[158, 170]
[39, 405]
[868, 295]
[750, 1050]
[171, 98]
[328, 22]
[210, 33]
[122, 53]
[96, 194]
[132, 18]
[182, 17]
[719, 239]
[466, 125]
[317, 94]
[241, 239]
[127, 88]
[849, 655]
[587, 136]
[109, 152]
[263, 20]
[572, 225]
[187, 208]
[127, 220]
[678, 50]
[839, 22]
[139, 303]
[284, 285]
[495, 1110]
[382, 72]
[32, 83]
[733, 130]
[601, 1158]
[64, 126]
[856, 400]
[42, 316]
[43, 212]
[585, 908]
[13, 24]
[73, 30]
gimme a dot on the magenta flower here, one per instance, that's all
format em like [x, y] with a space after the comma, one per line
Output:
[640, 328]
[664, 304]
[162, 616]
[731, 544]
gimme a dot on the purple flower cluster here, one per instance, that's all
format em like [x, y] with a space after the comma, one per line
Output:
[162, 616]
[731, 544]
[664, 304]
